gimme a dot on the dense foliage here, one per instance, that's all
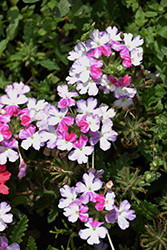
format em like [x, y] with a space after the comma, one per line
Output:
[36, 39]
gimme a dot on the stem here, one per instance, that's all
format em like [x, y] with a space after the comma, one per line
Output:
[110, 241]
[93, 159]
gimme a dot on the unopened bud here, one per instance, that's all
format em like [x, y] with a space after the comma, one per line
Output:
[109, 185]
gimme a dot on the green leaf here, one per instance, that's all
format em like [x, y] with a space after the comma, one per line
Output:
[159, 106]
[3, 80]
[31, 245]
[28, 31]
[50, 65]
[140, 17]
[19, 229]
[19, 200]
[54, 211]
[31, 1]
[151, 13]
[62, 8]
[163, 3]
[148, 209]
[163, 32]
[11, 30]
[3, 44]
[49, 247]
[77, 8]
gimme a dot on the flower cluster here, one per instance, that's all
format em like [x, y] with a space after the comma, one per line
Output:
[77, 204]
[75, 125]
[88, 72]
[40, 123]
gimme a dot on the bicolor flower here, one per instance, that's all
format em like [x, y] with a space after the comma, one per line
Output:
[93, 232]
[5, 217]
[88, 188]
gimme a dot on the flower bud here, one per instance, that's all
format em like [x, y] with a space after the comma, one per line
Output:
[109, 185]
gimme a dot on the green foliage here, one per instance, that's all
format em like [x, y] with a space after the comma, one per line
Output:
[31, 245]
[155, 236]
[19, 230]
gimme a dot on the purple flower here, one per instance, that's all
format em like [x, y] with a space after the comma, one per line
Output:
[22, 169]
[123, 92]
[4, 217]
[93, 232]
[88, 189]
[4, 244]
[122, 215]
[100, 246]
[125, 213]
[106, 135]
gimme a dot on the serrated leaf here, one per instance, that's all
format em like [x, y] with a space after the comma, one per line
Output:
[148, 209]
[53, 213]
[163, 32]
[31, 245]
[19, 229]
[50, 65]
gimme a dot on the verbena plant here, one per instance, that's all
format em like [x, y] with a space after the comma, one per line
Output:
[83, 124]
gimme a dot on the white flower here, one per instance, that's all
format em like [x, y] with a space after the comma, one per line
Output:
[123, 103]
[4, 217]
[132, 44]
[69, 195]
[93, 232]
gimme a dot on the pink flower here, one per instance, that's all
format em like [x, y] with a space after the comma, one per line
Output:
[100, 202]
[66, 100]
[27, 132]
[81, 151]
[66, 141]
[75, 211]
[98, 42]
[4, 176]
[5, 133]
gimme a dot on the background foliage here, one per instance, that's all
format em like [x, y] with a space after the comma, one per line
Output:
[35, 38]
